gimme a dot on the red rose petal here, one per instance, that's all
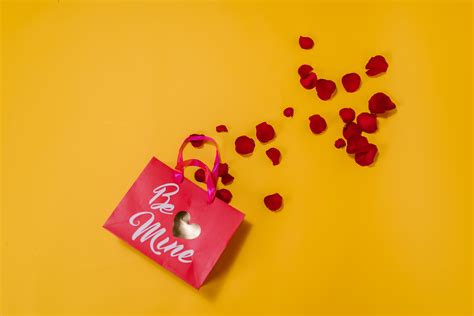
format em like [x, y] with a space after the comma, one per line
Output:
[288, 112]
[309, 81]
[351, 82]
[274, 155]
[366, 158]
[273, 202]
[244, 145]
[200, 175]
[357, 144]
[380, 102]
[224, 194]
[350, 130]
[367, 122]
[197, 143]
[304, 70]
[227, 179]
[222, 169]
[317, 124]
[340, 143]
[347, 114]
[265, 132]
[325, 89]
[306, 42]
[221, 128]
[376, 65]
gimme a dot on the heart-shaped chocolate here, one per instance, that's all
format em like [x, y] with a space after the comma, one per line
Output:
[183, 229]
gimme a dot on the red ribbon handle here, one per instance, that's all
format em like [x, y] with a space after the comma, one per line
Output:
[211, 176]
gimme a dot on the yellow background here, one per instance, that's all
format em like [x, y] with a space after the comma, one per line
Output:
[90, 91]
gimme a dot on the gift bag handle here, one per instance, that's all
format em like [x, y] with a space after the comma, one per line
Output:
[209, 179]
[211, 176]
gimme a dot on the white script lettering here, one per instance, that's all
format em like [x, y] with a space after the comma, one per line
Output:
[164, 207]
[154, 231]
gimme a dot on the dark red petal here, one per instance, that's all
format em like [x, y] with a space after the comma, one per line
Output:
[350, 130]
[317, 124]
[340, 143]
[274, 155]
[347, 114]
[367, 122]
[304, 70]
[376, 65]
[306, 42]
[221, 128]
[367, 157]
[200, 175]
[224, 194]
[309, 81]
[351, 82]
[223, 169]
[325, 89]
[227, 179]
[380, 102]
[288, 112]
[244, 145]
[265, 132]
[197, 143]
[357, 144]
[273, 202]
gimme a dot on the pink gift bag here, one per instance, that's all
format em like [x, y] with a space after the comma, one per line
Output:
[175, 222]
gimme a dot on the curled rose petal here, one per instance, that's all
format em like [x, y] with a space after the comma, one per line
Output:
[351, 82]
[274, 155]
[306, 42]
[325, 89]
[367, 122]
[200, 175]
[221, 128]
[288, 112]
[340, 143]
[367, 157]
[224, 194]
[222, 169]
[304, 70]
[244, 145]
[227, 179]
[309, 81]
[347, 114]
[197, 143]
[317, 124]
[350, 130]
[273, 202]
[380, 102]
[357, 144]
[265, 132]
[376, 65]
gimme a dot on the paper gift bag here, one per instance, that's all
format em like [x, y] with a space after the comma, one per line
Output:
[175, 222]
